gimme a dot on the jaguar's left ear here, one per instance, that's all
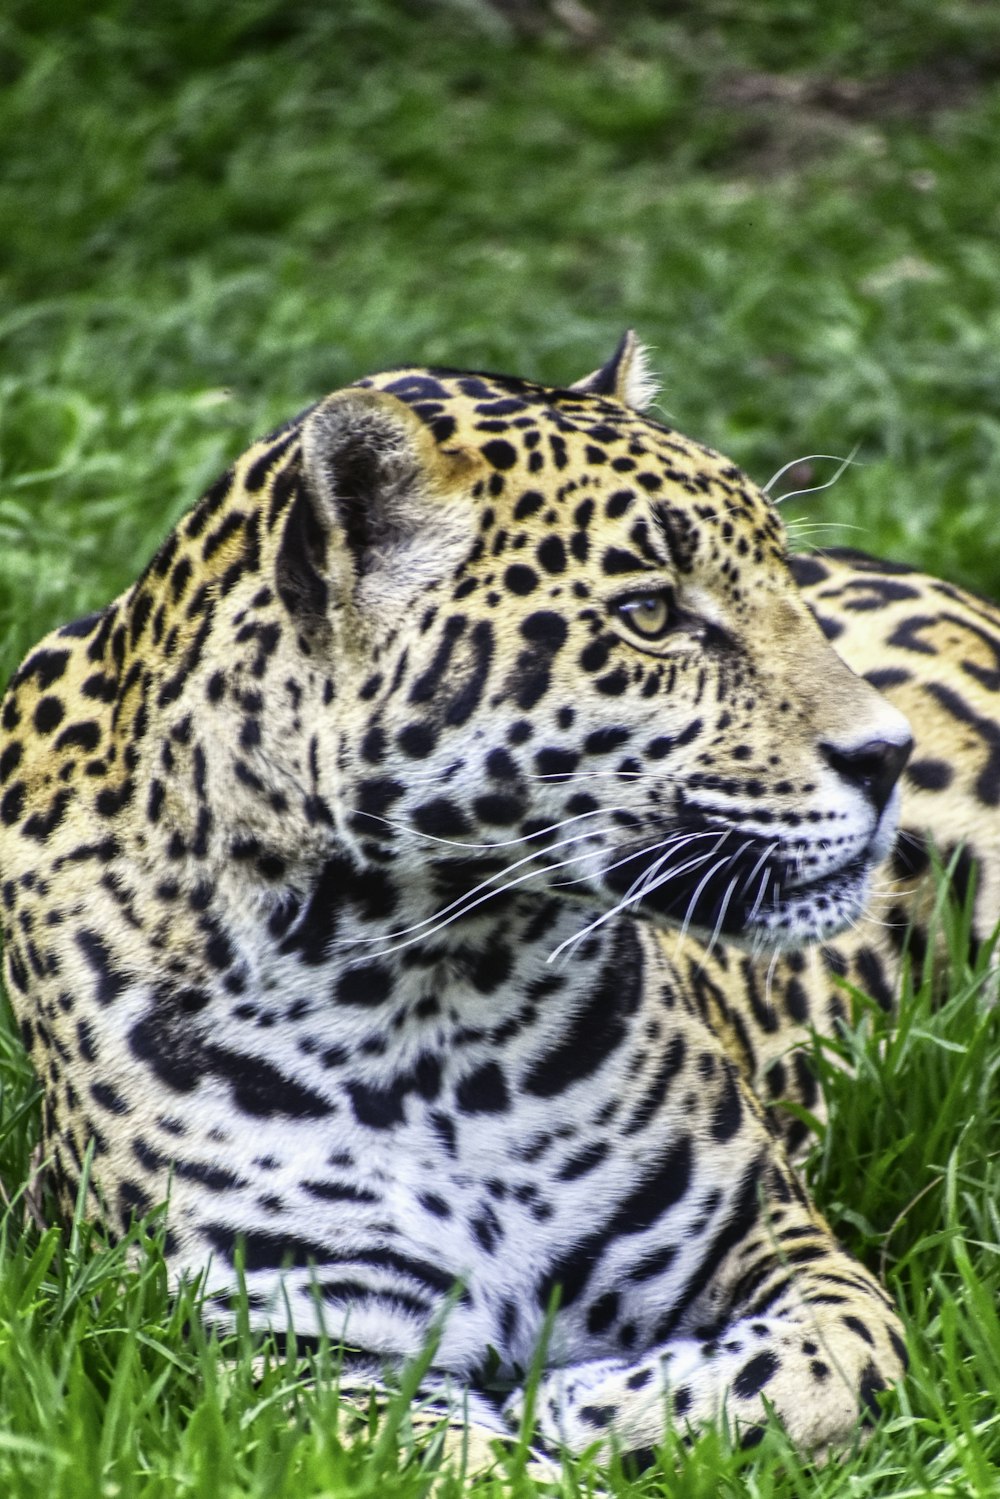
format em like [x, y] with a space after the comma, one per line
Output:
[382, 508]
[626, 377]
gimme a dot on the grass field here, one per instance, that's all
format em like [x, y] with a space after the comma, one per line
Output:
[210, 215]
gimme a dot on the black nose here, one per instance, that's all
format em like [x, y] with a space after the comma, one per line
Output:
[873, 767]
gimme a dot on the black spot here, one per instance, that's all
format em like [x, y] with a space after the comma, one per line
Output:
[603, 741]
[796, 1001]
[106, 1096]
[498, 808]
[256, 475]
[373, 745]
[487, 1229]
[42, 825]
[552, 554]
[417, 740]
[173, 1052]
[594, 656]
[483, 1091]
[929, 774]
[528, 504]
[598, 1416]
[10, 759]
[434, 1204]
[557, 764]
[654, 1263]
[755, 1374]
[614, 683]
[84, 1039]
[807, 570]
[491, 966]
[583, 1161]
[600, 1315]
[218, 948]
[85, 735]
[418, 387]
[858, 1327]
[441, 818]
[444, 1127]
[49, 714]
[379, 1108]
[425, 686]
[261, 1089]
[869, 1385]
[885, 677]
[369, 985]
[520, 578]
[12, 805]
[114, 799]
[79, 629]
[339, 1191]
[871, 975]
[264, 1251]
[502, 455]
[109, 983]
[618, 560]
[377, 794]
[45, 666]
[545, 629]
[832, 628]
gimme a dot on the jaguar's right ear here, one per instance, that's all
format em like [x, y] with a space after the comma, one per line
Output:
[626, 377]
[381, 511]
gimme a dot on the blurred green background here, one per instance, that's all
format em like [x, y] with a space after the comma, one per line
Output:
[210, 215]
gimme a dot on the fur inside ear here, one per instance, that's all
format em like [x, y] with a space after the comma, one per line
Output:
[626, 377]
[392, 506]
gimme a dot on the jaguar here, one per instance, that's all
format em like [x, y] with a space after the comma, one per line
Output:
[426, 877]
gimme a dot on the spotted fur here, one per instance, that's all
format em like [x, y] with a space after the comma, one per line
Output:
[393, 877]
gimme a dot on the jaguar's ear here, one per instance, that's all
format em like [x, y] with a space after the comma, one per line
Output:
[382, 508]
[626, 377]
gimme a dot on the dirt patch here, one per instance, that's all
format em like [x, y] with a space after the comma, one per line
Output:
[788, 119]
[911, 95]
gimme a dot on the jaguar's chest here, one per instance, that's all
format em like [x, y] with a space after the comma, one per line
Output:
[341, 1110]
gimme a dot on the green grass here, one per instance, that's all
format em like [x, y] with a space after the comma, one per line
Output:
[210, 215]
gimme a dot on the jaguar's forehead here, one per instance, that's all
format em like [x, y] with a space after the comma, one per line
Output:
[548, 449]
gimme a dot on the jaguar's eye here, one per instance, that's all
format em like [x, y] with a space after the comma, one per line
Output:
[650, 615]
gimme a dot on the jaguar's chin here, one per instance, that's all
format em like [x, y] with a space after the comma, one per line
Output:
[815, 911]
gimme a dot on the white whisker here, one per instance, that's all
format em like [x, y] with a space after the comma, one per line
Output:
[641, 886]
[808, 458]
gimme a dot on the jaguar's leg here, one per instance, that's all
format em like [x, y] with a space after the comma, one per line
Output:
[804, 1330]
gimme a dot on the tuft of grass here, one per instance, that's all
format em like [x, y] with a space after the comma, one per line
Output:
[212, 215]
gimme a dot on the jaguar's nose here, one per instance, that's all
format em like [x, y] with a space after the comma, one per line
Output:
[873, 767]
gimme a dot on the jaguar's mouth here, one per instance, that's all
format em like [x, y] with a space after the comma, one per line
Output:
[725, 883]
